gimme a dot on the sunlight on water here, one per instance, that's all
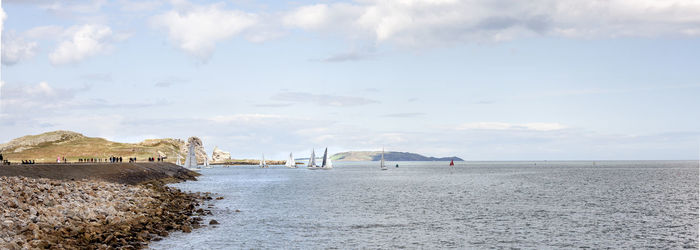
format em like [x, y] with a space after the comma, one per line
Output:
[621, 204]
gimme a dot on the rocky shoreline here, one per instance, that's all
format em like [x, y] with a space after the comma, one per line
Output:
[94, 213]
[126, 173]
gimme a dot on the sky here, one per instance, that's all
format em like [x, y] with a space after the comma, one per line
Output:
[477, 79]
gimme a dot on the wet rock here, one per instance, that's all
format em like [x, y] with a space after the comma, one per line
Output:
[213, 222]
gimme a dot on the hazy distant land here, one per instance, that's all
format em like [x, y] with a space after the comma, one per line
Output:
[389, 156]
[47, 146]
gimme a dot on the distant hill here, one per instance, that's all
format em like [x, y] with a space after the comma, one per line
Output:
[47, 146]
[389, 156]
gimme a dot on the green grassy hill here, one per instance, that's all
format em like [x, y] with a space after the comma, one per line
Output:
[47, 146]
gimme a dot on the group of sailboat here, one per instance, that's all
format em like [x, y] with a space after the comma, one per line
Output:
[263, 164]
[290, 162]
[326, 164]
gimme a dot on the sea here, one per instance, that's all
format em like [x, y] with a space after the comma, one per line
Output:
[429, 205]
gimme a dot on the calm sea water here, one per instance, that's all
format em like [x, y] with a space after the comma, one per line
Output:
[632, 204]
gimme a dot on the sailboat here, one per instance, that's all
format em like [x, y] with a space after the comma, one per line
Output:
[312, 161]
[206, 162]
[191, 160]
[291, 163]
[178, 160]
[452, 163]
[327, 164]
[381, 162]
[262, 162]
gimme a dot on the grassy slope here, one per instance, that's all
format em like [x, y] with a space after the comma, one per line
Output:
[87, 147]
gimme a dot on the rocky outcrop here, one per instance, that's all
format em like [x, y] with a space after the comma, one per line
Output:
[219, 156]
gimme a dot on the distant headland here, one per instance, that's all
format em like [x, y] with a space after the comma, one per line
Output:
[389, 156]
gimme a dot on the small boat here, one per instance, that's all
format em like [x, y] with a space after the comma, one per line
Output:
[262, 162]
[290, 162]
[206, 162]
[312, 161]
[327, 164]
[381, 162]
[191, 160]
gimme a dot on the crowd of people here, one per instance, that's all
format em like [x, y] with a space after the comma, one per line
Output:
[111, 159]
[159, 159]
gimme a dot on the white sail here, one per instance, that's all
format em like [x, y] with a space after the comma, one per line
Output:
[262, 162]
[381, 162]
[326, 161]
[191, 160]
[206, 162]
[291, 163]
[312, 160]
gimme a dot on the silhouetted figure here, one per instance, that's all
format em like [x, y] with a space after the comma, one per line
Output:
[120, 159]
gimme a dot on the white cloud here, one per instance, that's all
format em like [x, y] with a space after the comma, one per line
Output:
[44, 32]
[246, 118]
[41, 89]
[537, 126]
[89, 7]
[135, 6]
[431, 22]
[198, 28]
[82, 42]
[16, 49]
[20, 98]
[323, 99]
[3, 16]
